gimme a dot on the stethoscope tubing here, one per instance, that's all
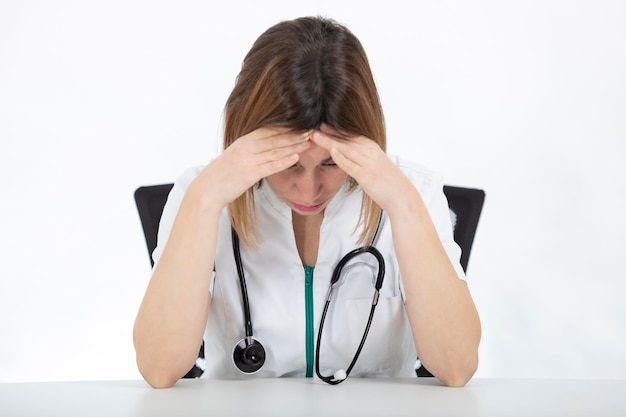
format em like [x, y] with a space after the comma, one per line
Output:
[249, 341]
[331, 380]
[336, 274]
[242, 283]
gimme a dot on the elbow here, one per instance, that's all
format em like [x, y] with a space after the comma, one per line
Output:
[156, 367]
[459, 375]
[455, 381]
[162, 372]
[158, 373]
[158, 379]
[160, 382]
[453, 369]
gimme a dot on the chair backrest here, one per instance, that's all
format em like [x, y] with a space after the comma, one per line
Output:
[465, 207]
[150, 201]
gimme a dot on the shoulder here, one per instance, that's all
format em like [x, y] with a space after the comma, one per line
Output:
[174, 199]
[187, 177]
[179, 189]
[423, 178]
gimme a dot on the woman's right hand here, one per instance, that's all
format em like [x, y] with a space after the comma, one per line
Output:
[247, 160]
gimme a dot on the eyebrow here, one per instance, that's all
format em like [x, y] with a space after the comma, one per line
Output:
[324, 161]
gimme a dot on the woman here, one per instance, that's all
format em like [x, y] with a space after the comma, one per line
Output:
[304, 179]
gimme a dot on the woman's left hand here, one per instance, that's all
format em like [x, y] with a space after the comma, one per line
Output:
[363, 160]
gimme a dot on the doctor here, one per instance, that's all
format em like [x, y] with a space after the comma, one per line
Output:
[304, 179]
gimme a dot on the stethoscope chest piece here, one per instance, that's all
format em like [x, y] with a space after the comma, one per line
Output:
[249, 355]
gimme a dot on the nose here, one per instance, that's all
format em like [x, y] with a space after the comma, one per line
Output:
[309, 188]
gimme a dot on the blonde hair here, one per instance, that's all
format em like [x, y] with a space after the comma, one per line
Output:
[299, 74]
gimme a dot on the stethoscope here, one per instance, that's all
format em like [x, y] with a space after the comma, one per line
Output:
[249, 353]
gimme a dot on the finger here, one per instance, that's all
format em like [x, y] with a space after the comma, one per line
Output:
[320, 139]
[323, 140]
[268, 139]
[276, 154]
[324, 128]
[275, 166]
[344, 163]
[350, 148]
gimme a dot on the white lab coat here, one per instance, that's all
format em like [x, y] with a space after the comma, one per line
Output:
[276, 287]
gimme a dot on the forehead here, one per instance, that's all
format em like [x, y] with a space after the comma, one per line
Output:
[315, 153]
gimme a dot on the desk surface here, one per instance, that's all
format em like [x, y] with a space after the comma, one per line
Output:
[310, 397]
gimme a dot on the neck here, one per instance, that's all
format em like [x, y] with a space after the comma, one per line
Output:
[307, 233]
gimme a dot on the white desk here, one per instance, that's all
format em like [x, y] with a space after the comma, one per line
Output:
[309, 397]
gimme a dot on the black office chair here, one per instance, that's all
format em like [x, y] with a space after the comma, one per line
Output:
[150, 201]
[465, 207]
[465, 204]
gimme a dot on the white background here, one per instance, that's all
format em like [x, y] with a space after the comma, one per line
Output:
[525, 99]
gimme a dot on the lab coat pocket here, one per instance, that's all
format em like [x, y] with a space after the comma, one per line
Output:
[385, 348]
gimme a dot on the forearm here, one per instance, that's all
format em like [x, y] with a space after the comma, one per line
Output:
[172, 317]
[444, 320]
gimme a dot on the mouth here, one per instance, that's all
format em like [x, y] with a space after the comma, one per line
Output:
[306, 209]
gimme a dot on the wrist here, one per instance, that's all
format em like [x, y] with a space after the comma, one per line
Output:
[408, 205]
[201, 200]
